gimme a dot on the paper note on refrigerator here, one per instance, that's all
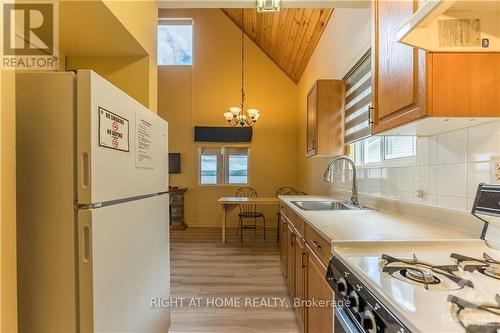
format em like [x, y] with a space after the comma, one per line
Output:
[113, 130]
[144, 142]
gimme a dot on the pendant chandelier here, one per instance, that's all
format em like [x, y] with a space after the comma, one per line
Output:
[237, 115]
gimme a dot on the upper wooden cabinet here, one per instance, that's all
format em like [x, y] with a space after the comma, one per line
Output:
[410, 84]
[463, 85]
[325, 118]
[399, 70]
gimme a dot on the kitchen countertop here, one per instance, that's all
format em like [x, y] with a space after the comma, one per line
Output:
[371, 225]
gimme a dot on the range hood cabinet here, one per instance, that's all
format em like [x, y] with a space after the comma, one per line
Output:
[454, 26]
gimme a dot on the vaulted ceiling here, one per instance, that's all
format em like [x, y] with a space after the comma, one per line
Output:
[288, 37]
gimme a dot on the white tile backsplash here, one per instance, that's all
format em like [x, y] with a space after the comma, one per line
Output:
[425, 179]
[452, 147]
[452, 180]
[448, 169]
[484, 142]
[427, 150]
[375, 181]
[389, 179]
[477, 173]
[405, 179]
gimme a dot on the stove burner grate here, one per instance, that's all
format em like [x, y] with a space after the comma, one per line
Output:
[421, 272]
[486, 266]
[485, 327]
[492, 271]
[421, 276]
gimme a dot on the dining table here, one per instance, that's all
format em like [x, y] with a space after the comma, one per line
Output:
[230, 203]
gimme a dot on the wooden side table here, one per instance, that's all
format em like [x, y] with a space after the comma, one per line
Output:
[177, 208]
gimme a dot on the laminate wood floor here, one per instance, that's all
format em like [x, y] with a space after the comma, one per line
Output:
[248, 273]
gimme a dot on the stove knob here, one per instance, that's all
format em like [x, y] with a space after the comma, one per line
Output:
[368, 321]
[342, 286]
[353, 299]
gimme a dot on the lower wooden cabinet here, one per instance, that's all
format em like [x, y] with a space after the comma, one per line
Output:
[304, 266]
[290, 260]
[319, 318]
[283, 244]
[300, 278]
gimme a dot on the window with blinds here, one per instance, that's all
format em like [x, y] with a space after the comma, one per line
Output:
[358, 100]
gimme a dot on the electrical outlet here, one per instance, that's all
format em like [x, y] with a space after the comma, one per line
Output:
[495, 169]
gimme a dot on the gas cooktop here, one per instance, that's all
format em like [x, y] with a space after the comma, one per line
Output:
[427, 286]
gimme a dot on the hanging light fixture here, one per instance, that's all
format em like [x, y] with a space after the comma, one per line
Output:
[237, 115]
[266, 6]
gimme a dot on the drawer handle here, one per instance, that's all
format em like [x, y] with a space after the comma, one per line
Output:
[315, 243]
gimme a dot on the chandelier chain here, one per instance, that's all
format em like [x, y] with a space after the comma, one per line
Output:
[242, 58]
[238, 116]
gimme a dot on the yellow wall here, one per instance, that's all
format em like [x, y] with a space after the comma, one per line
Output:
[140, 19]
[136, 75]
[8, 282]
[129, 73]
[334, 55]
[198, 95]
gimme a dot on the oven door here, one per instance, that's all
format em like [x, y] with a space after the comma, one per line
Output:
[342, 322]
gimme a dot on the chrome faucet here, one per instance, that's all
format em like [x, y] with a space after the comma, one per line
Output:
[327, 176]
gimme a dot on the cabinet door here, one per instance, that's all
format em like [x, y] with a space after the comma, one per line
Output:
[471, 91]
[290, 262]
[300, 265]
[398, 69]
[318, 319]
[283, 245]
[312, 122]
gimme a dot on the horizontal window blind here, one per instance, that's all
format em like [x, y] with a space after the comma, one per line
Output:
[358, 100]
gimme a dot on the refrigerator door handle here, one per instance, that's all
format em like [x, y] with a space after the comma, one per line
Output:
[86, 243]
[85, 174]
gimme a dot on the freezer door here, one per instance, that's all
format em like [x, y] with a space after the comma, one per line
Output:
[121, 145]
[123, 265]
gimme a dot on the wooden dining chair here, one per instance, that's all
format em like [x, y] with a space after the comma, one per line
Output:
[249, 212]
[285, 191]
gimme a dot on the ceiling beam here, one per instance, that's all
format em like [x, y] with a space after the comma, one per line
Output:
[252, 3]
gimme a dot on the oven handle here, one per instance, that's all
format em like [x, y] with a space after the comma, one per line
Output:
[345, 321]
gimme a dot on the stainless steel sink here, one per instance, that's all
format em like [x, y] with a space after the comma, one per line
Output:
[325, 205]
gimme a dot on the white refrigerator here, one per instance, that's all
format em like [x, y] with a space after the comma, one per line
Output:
[93, 220]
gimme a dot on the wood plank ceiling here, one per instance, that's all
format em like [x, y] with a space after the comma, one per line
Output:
[288, 37]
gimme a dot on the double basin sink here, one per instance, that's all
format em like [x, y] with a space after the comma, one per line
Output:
[326, 205]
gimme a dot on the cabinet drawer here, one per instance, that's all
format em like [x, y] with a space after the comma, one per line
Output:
[283, 208]
[297, 222]
[320, 246]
